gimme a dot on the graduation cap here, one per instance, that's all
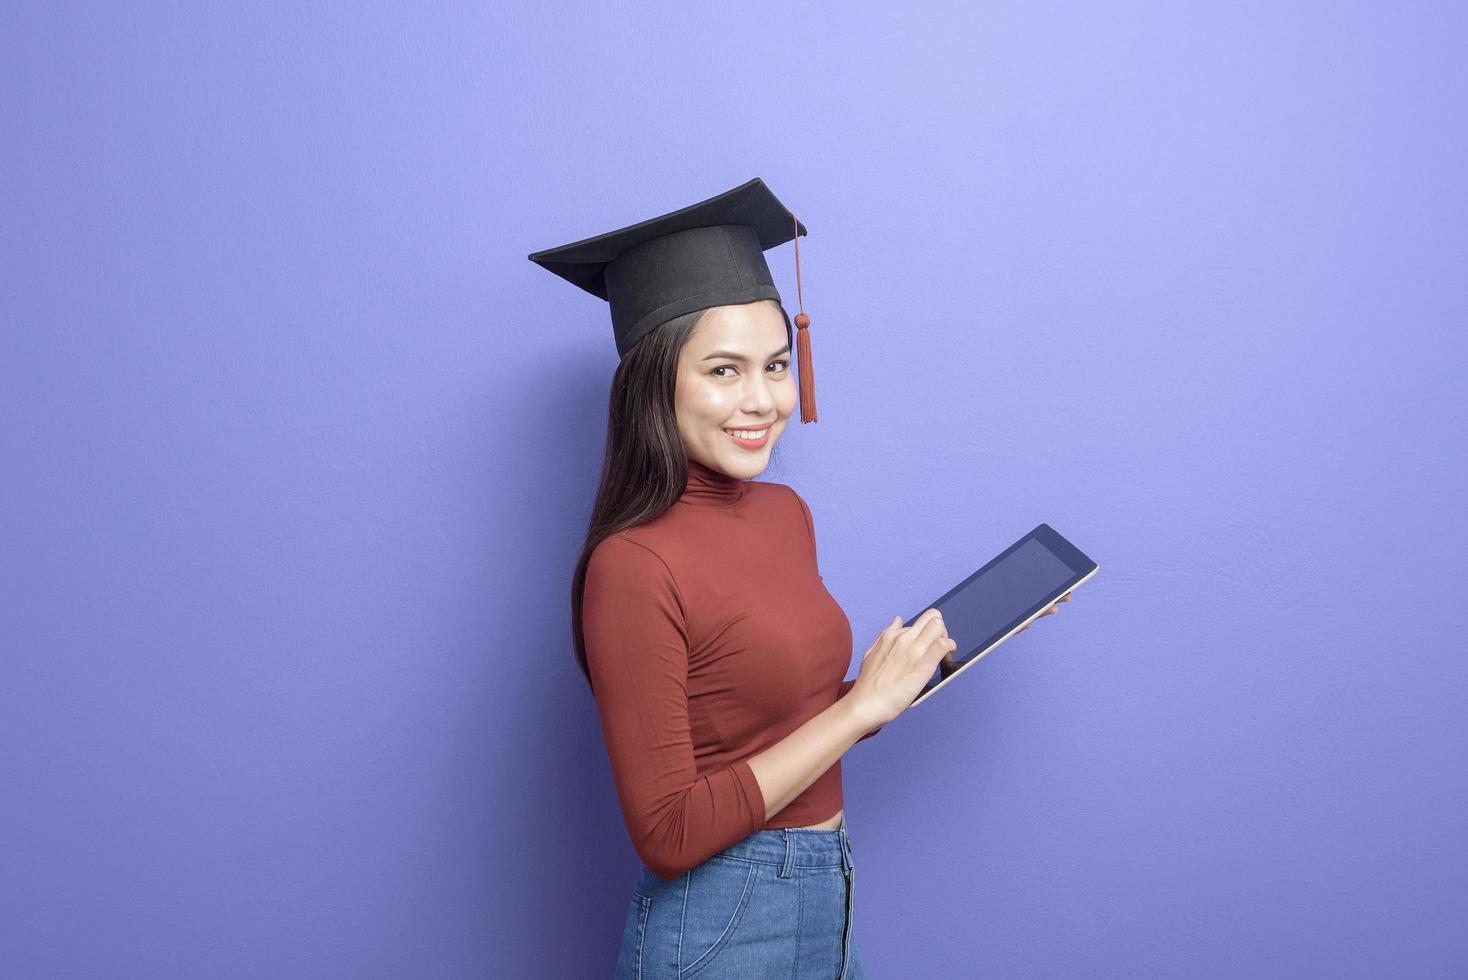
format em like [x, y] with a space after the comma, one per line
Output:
[707, 254]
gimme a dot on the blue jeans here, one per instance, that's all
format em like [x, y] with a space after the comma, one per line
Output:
[778, 903]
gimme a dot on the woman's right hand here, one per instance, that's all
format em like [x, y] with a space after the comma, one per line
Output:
[898, 666]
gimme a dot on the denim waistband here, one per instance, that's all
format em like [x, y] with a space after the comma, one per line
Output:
[795, 847]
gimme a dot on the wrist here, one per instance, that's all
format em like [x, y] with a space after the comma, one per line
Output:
[858, 715]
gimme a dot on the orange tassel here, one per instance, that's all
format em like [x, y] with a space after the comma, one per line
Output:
[802, 342]
[807, 375]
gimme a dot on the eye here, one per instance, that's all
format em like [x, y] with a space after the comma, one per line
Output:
[729, 367]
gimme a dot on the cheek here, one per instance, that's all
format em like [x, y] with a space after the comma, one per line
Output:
[706, 402]
[787, 396]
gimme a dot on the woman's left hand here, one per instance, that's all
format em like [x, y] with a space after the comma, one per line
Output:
[1048, 612]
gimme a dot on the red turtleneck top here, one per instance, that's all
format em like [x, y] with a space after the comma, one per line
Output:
[710, 636]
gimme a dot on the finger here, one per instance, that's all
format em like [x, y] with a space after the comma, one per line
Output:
[941, 647]
[927, 616]
[1065, 598]
[922, 636]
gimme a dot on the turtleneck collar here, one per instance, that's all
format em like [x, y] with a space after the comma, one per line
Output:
[707, 487]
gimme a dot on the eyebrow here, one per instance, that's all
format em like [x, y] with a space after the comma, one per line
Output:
[731, 355]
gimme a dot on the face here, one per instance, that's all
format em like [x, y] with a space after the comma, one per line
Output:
[735, 372]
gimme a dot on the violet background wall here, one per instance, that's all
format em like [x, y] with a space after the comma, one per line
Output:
[298, 451]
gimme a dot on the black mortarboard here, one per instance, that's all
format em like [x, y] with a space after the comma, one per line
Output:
[707, 254]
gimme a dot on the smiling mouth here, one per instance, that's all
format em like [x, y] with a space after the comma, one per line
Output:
[742, 438]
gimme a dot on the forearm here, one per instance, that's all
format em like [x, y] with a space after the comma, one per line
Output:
[785, 769]
[841, 693]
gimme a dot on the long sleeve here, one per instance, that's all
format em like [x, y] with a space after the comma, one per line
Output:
[634, 625]
[810, 526]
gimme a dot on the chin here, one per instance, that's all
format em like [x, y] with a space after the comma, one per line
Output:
[747, 462]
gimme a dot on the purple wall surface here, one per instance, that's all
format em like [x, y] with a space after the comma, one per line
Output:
[298, 451]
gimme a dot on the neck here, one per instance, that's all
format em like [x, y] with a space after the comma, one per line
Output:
[708, 487]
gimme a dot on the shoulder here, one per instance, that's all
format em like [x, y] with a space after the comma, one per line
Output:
[776, 491]
[787, 493]
[626, 550]
[625, 568]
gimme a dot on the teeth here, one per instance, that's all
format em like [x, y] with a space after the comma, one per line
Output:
[747, 434]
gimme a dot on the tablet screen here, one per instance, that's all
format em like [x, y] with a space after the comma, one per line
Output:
[997, 599]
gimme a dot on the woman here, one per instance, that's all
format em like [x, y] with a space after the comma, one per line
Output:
[713, 650]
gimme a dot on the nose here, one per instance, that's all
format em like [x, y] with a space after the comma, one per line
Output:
[757, 398]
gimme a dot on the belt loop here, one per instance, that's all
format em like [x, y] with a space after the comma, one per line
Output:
[846, 860]
[787, 869]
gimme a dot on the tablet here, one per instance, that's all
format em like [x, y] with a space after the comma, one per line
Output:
[994, 603]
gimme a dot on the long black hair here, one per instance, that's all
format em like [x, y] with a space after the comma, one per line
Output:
[644, 468]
